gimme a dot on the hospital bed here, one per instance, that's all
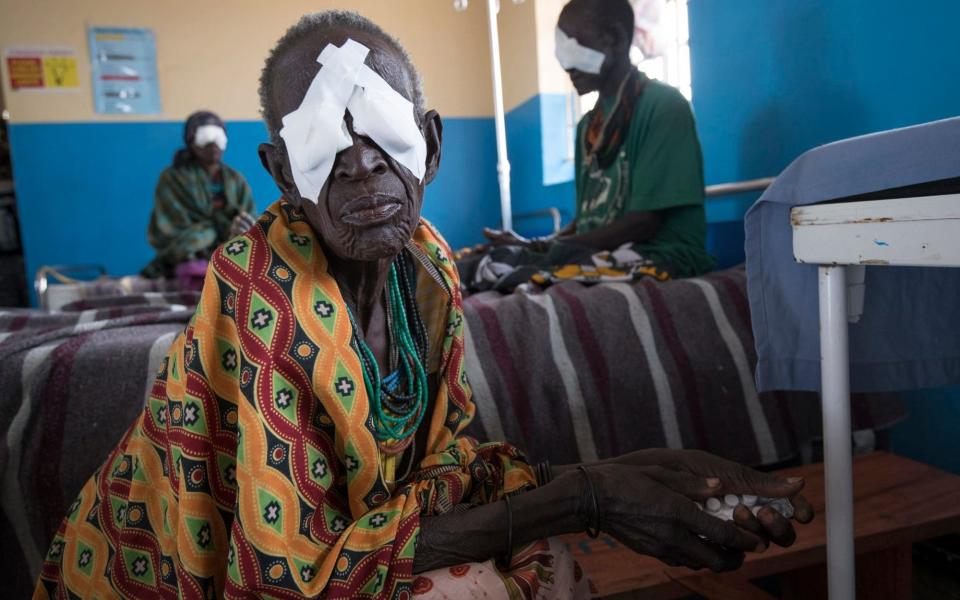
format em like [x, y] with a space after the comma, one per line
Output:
[59, 285]
[859, 217]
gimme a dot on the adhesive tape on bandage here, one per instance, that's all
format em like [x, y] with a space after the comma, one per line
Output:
[573, 55]
[316, 131]
[207, 134]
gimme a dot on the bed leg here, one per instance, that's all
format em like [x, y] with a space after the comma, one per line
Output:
[835, 402]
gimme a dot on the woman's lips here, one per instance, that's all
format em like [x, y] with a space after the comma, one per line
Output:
[369, 211]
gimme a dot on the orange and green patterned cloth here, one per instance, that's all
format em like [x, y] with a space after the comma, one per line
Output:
[253, 470]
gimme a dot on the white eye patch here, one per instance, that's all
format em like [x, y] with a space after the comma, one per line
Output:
[572, 55]
[210, 133]
[316, 131]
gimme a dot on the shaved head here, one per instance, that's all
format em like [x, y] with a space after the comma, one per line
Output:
[291, 66]
[605, 26]
[603, 15]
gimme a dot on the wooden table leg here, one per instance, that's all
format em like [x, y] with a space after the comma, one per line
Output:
[882, 575]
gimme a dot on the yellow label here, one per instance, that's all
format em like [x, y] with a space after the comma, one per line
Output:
[60, 72]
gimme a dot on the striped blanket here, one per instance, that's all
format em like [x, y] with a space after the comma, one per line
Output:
[59, 417]
[572, 374]
[578, 373]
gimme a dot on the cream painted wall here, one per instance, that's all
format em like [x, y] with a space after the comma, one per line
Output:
[552, 79]
[518, 50]
[210, 51]
[527, 49]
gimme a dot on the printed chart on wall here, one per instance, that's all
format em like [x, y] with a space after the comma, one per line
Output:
[124, 70]
[42, 69]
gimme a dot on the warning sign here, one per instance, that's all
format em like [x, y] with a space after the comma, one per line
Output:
[25, 72]
[60, 72]
[42, 68]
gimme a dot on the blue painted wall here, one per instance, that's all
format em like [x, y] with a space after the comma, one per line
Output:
[774, 78]
[541, 175]
[85, 190]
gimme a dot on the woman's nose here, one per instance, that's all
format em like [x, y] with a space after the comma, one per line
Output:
[359, 162]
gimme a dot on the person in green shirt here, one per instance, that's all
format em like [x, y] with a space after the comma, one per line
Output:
[638, 164]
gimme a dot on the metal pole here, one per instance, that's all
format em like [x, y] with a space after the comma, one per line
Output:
[751, 185]
[838, 461]
[503, 164]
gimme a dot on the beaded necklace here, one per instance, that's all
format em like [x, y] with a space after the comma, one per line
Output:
[398, 401]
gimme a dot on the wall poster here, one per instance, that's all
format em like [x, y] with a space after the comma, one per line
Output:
[124, 70]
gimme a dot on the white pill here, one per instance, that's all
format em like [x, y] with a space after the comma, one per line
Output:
[748, 500]
[700, 506]
[731, 500]
[782, 506]
[713, 504]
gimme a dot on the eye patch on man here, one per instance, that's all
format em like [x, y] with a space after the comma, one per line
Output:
[573, 55]
[317, 130]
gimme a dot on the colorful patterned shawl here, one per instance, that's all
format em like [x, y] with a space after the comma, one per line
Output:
[253, 470]
[184, 219]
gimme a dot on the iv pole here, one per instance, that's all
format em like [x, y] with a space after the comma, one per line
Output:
[503, 163]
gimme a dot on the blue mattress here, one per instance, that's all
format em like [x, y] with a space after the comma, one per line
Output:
[909, 335]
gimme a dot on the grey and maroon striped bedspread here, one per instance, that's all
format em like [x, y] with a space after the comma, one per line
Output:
[70, 384]
[576, 373]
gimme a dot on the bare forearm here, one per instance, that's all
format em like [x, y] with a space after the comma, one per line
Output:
[647, 456]
[633, 227]
[481, 533]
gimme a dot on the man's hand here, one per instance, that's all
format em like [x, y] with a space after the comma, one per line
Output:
[241, 223]
[651, 510]
[499, 237]
[733, 478]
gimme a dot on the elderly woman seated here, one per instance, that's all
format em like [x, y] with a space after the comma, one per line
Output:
[303, 437]
[200, 202]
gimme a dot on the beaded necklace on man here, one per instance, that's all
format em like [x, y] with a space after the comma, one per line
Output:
[398, 401]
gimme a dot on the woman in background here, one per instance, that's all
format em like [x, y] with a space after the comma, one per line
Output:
[200, 202]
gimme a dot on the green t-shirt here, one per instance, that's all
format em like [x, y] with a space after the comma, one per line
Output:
[659, 168]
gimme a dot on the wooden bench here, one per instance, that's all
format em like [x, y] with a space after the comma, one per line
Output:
[897, 501]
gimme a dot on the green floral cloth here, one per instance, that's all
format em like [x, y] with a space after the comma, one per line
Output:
[192, 214]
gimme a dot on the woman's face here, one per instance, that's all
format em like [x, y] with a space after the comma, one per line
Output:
[370, 205]
[209, 155]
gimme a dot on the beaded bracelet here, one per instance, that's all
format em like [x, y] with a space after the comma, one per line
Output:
[503, 563]
[593, 522]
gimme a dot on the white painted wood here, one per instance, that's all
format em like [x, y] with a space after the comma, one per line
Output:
[920, 232]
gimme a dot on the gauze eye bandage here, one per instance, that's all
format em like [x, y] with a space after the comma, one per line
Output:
[317, 130]
[210, 133]
[572, 55]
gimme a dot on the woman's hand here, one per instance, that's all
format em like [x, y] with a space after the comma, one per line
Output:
[241, 223]
[734, 478]
[651, 510]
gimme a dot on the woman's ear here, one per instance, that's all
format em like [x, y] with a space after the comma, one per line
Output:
[274, 161]
[433, 134]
